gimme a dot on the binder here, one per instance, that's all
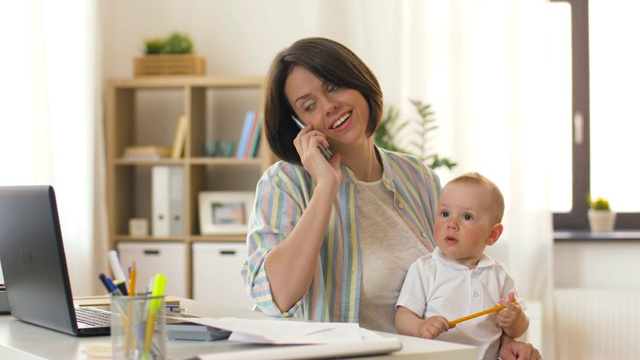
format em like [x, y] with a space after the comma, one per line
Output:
[176, 201]
[167, 201]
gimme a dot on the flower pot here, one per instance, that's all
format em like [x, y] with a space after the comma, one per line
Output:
[601, 220]
[169, 64]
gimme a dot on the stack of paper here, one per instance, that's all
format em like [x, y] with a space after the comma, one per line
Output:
[304, 340]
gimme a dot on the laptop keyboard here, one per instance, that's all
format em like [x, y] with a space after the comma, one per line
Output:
[93, 317]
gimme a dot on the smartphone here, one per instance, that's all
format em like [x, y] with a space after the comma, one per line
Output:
[323, 150]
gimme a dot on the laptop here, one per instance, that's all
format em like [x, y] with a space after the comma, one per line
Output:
[34, 263]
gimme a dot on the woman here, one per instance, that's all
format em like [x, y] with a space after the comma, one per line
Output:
[332, 240]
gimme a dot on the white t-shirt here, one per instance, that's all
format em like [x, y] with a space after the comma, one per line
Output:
[436, 285]
[388, 249]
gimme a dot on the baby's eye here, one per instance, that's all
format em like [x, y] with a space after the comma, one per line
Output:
[467, 216]
[444, 214]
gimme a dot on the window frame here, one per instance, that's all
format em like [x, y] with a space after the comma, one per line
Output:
[576, 219]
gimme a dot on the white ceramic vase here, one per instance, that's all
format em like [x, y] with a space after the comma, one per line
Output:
[601, 220]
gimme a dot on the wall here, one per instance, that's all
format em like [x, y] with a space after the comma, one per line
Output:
[235, 37]
[602, 264]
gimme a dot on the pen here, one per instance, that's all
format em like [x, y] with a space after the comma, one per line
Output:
[111, 287]
[121, 286]
[103, 279]
[484, 312]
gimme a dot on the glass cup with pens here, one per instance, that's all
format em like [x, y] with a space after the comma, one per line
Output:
[138, 323]
[138, 328]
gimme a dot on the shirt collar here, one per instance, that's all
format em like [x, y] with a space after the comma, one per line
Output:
[485, 260]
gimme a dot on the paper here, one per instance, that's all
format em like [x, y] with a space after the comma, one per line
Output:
[284, 331]
[378, 346]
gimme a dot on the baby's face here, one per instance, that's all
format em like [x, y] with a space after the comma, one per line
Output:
[463, 222]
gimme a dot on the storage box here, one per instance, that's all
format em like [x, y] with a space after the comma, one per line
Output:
[216, 274]
[180, 64]
[151, 258]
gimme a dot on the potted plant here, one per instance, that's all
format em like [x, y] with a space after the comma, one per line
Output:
[601, 217]
[386, 135]
[171, 55]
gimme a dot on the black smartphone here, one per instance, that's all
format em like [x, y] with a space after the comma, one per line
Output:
[323, 150]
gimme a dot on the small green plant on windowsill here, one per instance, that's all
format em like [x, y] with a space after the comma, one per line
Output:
[599, 203]
[601, 217]
[386, 135]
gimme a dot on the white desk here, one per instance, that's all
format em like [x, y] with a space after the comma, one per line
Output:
[22, 341]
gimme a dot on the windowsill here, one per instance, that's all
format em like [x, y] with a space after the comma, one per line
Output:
[576, 236]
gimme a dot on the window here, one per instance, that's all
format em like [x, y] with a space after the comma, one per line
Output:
[605, 126]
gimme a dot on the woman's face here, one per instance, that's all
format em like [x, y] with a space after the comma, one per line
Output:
[340, 113]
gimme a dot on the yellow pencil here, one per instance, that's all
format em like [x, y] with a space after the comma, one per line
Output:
[484, 312]
[132, 279]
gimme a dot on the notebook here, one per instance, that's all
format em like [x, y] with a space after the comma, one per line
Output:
[34, 262]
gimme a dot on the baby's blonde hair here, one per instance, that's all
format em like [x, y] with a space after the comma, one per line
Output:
[495, 195]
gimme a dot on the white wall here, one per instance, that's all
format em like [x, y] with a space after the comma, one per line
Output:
[235, 37]
[603, 264]
[241, 37]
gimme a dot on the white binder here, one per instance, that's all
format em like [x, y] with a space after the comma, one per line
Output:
[167, 201]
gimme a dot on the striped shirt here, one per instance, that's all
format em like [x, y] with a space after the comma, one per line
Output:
[282, 195]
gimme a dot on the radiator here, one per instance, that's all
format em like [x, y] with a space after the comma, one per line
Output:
[597, 324]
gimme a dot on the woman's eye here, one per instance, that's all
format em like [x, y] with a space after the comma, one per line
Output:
[331, 87]
[308, 106]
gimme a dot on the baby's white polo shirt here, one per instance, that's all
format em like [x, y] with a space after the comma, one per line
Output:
[435, 285]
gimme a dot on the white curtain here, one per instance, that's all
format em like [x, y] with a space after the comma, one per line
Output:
[482, 65]
[49, 116]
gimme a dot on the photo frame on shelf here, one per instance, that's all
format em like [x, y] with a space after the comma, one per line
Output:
[224, 212]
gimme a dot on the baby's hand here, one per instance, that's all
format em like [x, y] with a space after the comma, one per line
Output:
[433, 326]
[512, 313]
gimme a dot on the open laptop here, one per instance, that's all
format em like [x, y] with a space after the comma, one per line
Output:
[35, 266]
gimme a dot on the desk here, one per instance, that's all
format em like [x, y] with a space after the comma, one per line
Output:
[22, 341]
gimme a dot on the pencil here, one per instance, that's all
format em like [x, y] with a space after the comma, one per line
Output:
[132, 280]
[480, 313]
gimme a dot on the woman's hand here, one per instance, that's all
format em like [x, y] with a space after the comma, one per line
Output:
[306, 143]
[511, 349]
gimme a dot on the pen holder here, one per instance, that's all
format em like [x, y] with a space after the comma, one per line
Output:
[138, 327]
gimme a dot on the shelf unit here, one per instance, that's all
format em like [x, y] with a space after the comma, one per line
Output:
[144, 111]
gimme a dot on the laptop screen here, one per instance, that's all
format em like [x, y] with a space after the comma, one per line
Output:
[33, 259]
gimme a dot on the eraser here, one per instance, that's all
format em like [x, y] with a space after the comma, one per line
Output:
[522, 303]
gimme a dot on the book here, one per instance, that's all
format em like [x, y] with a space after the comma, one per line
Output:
[105, 300]
[254, 127]
[244, 135]
[179, 137]
[141, 152]
[256, 138]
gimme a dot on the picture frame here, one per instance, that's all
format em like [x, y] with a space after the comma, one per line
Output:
[224, 212]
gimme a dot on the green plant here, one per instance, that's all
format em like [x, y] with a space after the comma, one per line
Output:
[175, 43]
[386, 135]
[599, 203]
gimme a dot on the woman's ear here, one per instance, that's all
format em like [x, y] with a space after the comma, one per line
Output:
[494, 234]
